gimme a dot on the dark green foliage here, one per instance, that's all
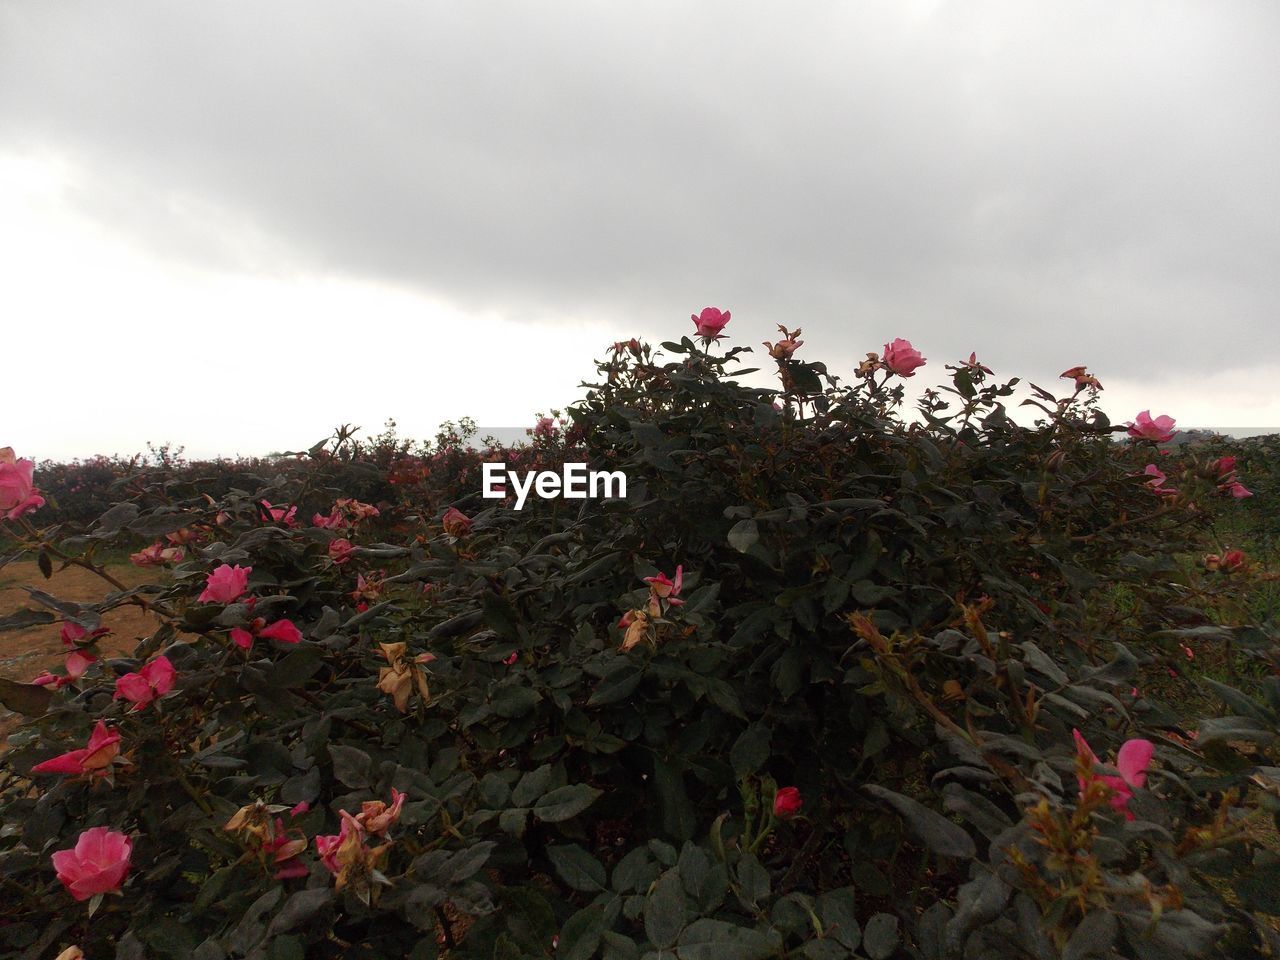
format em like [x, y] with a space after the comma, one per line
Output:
[904, 621]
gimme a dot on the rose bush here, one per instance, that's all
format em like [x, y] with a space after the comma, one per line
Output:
[564, 728]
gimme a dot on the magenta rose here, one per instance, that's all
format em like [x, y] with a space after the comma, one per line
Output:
[710, 322]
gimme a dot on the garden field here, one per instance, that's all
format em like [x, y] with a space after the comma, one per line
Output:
[828, 682]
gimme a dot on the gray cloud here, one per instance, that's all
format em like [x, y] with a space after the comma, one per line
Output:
[1085, 182]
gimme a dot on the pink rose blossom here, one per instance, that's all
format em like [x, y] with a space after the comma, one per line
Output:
[331, 522]
[1237, 489]
[1158, 481]
[150, 683]
[902, 358]
[1159, 430]
[281, 514]
[456, 523]
[710, 322]
[282, 630]
[666, 589]
[377, 818]
[77, 663]
[92, 760]
[226, 584]
[340, 551]
[17, 494]
[155, 555]
[1132, 761]
[98, 863]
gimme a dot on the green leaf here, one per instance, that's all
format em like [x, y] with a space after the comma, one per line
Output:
[532, 785]
[1234, 728]
[880, 936]
[577, 868]
[708, 939]
[744, 535]
[936, 832]
[26, 618]
[565, 803]
[664, 910]
[581, 933]
[303, 907]
[513, 700]
[837, 910]
[28, 699]
[350, 765]
[750, 752]
[616, 685]
[1094, 936]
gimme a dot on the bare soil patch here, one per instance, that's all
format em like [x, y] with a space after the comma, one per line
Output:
[26, 653]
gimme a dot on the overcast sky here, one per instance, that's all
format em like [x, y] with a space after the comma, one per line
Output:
[233, 225]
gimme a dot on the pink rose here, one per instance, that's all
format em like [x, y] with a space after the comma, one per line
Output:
[226, 584]
[1158, 481]
[281, 514]
[902, 358]
[282, 630]
[92, 760]
[377, 818]
[456, 523]
[97, 864]
[1144, 427]
[340, 551]
[150, 683]
[787, 803]
[331, 522]
[77, 663]
[710, 322]
[155, 555]
[17, 495]
[1132, 761]
[664, 588]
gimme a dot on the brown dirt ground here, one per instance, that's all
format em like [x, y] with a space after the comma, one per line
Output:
[25, 653]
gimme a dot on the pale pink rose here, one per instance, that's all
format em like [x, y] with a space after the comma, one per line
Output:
[1238, 489]
[1159, 429]
[98, 863]
[1158, 481]
[226, 584]
[710, 322]
[17, 494]
[91, 760]
[155, 555]
[340, 551]
[150, 683]
[902, 358]
[1132, 761]
[282, 630]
